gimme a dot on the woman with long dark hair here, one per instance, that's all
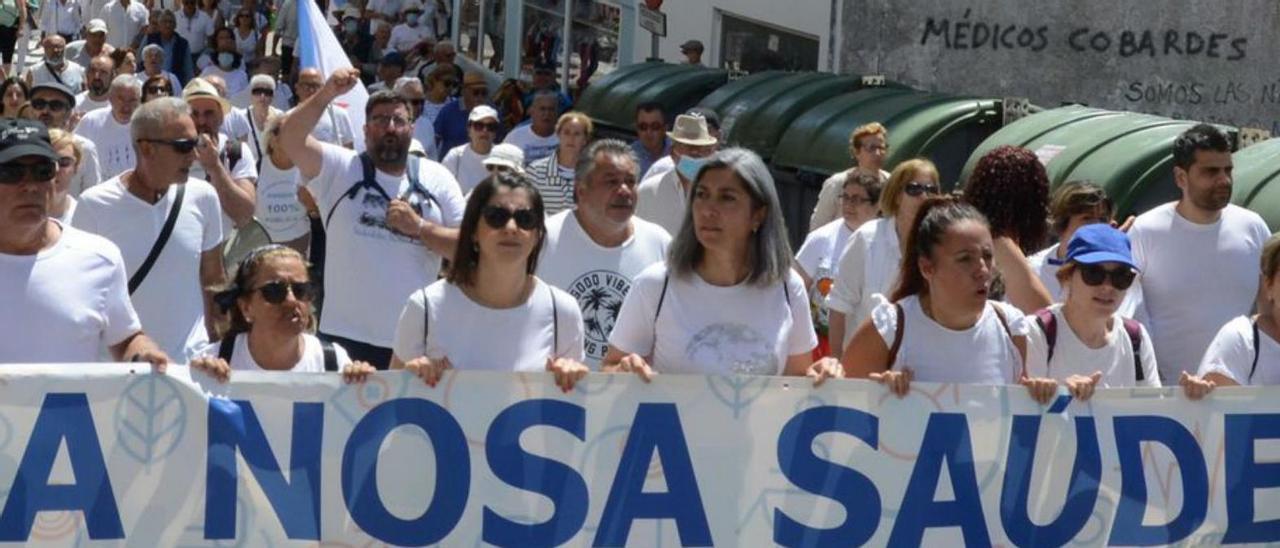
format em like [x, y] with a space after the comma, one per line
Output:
[13, 94]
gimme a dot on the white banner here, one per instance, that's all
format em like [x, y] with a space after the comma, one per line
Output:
[96, 453]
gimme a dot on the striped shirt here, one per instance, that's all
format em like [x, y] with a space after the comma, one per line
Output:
[554, 182]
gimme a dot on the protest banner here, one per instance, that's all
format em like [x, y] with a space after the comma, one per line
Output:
[96, 453]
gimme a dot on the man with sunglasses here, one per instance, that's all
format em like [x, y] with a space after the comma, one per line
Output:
[663, 197]
[466, 161]
[97, 83]
[229, 165]
[453, 124]
[389, 217]
[109, 127]
[171, 275]
[651, 141]
[64, 290]
[1198, 256]
[52, 104]
[334, 126]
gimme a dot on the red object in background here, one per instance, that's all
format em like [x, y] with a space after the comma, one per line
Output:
[653, 4]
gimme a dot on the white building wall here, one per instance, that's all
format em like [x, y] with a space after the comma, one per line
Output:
[699, 20]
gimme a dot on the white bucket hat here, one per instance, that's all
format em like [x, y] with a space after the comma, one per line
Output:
[692, 131]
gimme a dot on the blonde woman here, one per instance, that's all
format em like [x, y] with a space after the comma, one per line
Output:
[68, 151]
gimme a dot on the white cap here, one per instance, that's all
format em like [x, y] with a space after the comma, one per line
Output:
[481, 112]
[506, 155]
[263, 81]
[96, 25]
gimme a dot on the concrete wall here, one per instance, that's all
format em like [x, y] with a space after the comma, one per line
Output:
[1211, 61]
[695, 20]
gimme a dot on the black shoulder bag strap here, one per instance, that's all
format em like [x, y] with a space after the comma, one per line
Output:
[257, 146]
[555, 322]
[330, 356]
[661, 297]
[426, 320]
[1256, 339]
[163, 238]
[226, 347]
[52, 72]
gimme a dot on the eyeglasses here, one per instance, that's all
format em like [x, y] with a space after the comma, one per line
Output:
[56, 106]
[485, 126]
[181, 146]
[650, 126]
[876, 148]
[66, 161]
[1121, 278]
[384, 120]
[264, 91]
[14, 173]
[158, 90]
[497, 217]
[917, 188]
[854, 200]
[275, 292]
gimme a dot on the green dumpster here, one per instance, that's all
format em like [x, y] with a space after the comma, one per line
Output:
[943, 128]
[756, 110]
[611, 102]
[1129, 154]
[1257, 181]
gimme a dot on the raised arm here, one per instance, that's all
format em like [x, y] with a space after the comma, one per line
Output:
[295, 130]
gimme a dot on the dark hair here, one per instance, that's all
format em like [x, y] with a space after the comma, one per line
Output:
[384, 97]
[14, 81]
[1011, 187]
[1199, 137]
[935, 217]
[870, 183]
[240, 287]
[466, 257]
[1076, 198]
[221, 30]
[118, 56]
[650, 106]
[160, 79]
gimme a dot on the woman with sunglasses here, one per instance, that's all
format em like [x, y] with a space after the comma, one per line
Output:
[726, 300]
[155, 87]
[816, 260]
[153, 66]
[869, 264]
[491, 290]
[14, 93]
[271, 322]
[68, 151]
[466, 161]
[940, 325]
[1085, 342]
[249, 42]
[1246, 351]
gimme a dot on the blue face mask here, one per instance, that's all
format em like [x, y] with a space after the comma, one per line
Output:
[411, 19]
[689, 167]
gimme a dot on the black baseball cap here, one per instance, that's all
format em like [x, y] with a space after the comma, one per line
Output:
[60, 88]
[691, 45]
[19, 138]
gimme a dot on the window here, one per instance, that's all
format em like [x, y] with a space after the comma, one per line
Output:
[753, 47]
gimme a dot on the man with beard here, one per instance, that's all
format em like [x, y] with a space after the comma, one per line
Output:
[174, 293]
[389, 217]
[594, 250]
[56, 68]
[1199, 256]
[108, 128]
[228, 165]
[97, 83]
[52, 102]
[334, 126]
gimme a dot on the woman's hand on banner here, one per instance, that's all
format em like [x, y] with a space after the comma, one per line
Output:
[823, 369]
[567, 372]
[427, 369]
[1041, 389]
[357, 372]
[898, 381]
[217, 368]
[1082, 387]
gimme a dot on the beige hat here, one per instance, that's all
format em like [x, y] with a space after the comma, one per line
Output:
[198, 89]
[96, 25]
[692, 131]
[506, 155]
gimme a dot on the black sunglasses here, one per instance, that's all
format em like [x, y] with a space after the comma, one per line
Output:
[275, 292]
[497, 217]
[14, 173]
[181, 146]
[158, 89]
[264, 91]
[916, 188]
[1121, 278]
[56, 106]
[483, 126]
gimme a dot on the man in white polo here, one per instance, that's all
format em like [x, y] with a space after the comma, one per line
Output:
[663, 196]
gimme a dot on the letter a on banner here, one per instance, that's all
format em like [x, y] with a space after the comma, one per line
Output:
[946, 440]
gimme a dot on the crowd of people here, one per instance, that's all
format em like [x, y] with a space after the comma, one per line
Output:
[478, 233]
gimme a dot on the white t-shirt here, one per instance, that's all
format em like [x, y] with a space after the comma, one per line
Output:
[554, 182]
[246, 168]
[84, 103]
[334, 126]
[1072, 357]
[865, 273]
[1130, 307]
[65, 303]
[115, 146]
[70, 213]
[1195, 278]
[464, 331]
[196, 30]
[425, 132]
[713, 330]
[663, 165]
[982, 354]
[597, 277]
[71, 75]
[466, 165]
[235, 78]
[170, 300]
[89, 173]
[277, 206]
[312, 355]
[661, 200]
[1231, 354]
[405, 37]
[535, 148]
[818, 256]
[124, 23]
[370, 270]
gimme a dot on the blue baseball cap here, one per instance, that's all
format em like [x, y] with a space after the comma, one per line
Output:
[1100, 243]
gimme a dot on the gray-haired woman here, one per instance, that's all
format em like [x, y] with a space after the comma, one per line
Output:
[726, 300]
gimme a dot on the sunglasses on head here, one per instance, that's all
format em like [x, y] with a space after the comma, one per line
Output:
[181, 146]
[56, 106]
[497, 217]
[650, 126]
[917, 188]
[485, 126]
[276, 292]
[14, 173]
[1121, 277]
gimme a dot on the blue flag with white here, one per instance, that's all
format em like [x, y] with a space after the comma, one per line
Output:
[318, 48]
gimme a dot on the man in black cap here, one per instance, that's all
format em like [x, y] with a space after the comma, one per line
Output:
[692, 51]
[52, 103]
[390, 69]
[64, 289]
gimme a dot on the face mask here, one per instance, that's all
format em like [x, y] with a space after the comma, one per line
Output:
[226, 59]
[350, 26]
[411, 19]
[689, 166]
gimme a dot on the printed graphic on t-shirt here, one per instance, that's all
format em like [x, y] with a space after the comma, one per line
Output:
[281, 207]
[599, 294]
[818, 299]
[372, 221]
[739, 346]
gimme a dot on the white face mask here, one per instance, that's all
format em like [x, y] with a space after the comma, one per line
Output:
[225, 60]
[411, 19]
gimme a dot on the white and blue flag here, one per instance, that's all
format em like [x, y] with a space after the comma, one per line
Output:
[319, 48]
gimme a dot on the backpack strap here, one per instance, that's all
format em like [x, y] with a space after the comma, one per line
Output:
[330, 356]
[898, 330]
[555, 322]
[1253, 368]
[1134, 330]
[368, 180]
[662, 296]
[1049, 325]
[426, 320]
[415, 184]
[1022, 348]
[226, 346]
